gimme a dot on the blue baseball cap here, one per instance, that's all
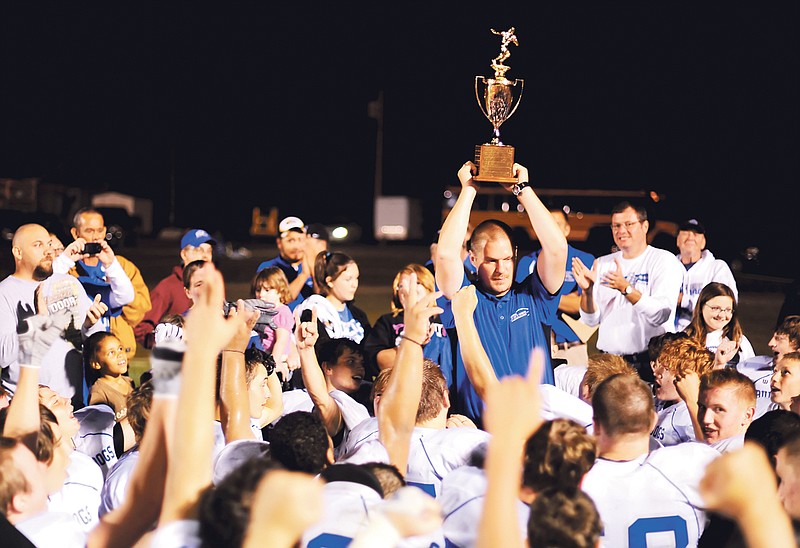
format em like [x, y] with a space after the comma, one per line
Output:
[196, 236]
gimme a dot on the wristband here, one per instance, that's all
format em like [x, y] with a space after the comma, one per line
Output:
[231, 350]
[412, 340]
[165, 360]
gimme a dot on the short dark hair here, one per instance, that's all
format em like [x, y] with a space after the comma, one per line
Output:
[299, 442]
[487, 230]
[641, 211]
[773, 429]
[330, 350]
[224, 510]
[790, 326]
[563, 518]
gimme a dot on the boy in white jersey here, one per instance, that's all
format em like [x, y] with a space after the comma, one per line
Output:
[726, 406]
[642, 496]
[785, 382]
[682, 358]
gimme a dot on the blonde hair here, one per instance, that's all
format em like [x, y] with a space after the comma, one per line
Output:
[424, 277]
[601, 367]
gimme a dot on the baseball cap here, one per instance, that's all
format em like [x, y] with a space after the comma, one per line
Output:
[196, 236]
[318, 231]
[291, 224]
[692, 225]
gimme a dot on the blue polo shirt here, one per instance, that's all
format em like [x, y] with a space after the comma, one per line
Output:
[510, 327]
[527, 264]
[291, 273]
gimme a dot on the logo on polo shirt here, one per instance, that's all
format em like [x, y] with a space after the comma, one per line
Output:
[520, 313]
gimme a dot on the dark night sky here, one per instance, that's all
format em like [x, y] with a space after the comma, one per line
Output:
[260, 105]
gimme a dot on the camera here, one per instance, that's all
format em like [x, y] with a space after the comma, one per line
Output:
[92, 248]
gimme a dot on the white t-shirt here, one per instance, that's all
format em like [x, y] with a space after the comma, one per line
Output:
[674, 425]
[96, 435]
[557, 404]
[729, 444]
[626, 328]
[113, 493]
[652, 500]
[745, 348]
[80, 495]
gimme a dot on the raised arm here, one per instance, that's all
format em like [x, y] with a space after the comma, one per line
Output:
[476, 362]
[234, 402]
[449, 265]
[400, 400]
[513, 414]
[552, 261]
[307, 334]
[189, 465]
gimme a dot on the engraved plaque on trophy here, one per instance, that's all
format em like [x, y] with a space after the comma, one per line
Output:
[498, 98]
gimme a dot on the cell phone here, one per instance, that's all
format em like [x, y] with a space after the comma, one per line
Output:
[305, 315]
[92, 248]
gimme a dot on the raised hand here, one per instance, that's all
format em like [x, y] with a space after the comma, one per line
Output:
[307, 333]
[419, 311]
[726, 350]
[614, 278]
[465, 301]
[465, 174]
[513, 406]
[584, 276]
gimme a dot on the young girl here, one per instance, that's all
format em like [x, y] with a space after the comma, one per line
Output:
[105, 364]
[715, 324]
[337, 276]
[271, 285]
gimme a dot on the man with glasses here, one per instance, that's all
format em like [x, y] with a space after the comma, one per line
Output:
[701, 269]
[630, 294]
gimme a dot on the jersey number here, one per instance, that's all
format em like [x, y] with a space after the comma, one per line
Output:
[637, 533]
[328, 540]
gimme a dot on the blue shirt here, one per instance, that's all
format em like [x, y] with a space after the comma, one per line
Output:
[562, 331]
[291, 273]
[510, 327]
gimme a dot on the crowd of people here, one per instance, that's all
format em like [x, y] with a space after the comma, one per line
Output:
[474, 412]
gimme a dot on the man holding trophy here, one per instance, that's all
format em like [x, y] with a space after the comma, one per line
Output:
[510, 318]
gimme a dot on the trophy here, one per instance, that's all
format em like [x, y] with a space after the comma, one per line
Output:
[495, 160]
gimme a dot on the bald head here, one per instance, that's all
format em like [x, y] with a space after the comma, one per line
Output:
[33, 258]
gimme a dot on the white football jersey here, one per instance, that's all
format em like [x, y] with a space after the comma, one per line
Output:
[652, 500]
[462, 497]
[346, 506]
[53, 529]
[362, 433]
[759, 370]
[557, 404]
[80, 496]
[569, 377]
[96, 435]
[674, 425]
[113, 492]
[729, 444]
[182, 533]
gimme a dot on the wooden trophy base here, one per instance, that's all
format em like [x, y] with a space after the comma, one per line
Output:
[495, 164]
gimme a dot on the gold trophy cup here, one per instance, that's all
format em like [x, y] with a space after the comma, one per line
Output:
[495, 97]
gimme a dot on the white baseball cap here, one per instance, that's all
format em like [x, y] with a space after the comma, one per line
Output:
[291, 224]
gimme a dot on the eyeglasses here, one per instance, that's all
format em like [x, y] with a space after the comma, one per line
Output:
[616, 226]
[718, 310]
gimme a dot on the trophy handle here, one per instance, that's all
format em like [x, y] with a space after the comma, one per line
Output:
[519, 97]
[478, 96]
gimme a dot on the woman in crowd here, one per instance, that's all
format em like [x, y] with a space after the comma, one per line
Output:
[337, 276]
[715, 324]
[381, 345]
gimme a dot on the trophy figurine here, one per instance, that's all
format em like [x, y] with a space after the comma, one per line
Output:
[495, 160]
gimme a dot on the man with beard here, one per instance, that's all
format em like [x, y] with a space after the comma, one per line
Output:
[33, 260]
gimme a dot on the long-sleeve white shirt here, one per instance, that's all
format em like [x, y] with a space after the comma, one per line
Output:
[626, 328]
